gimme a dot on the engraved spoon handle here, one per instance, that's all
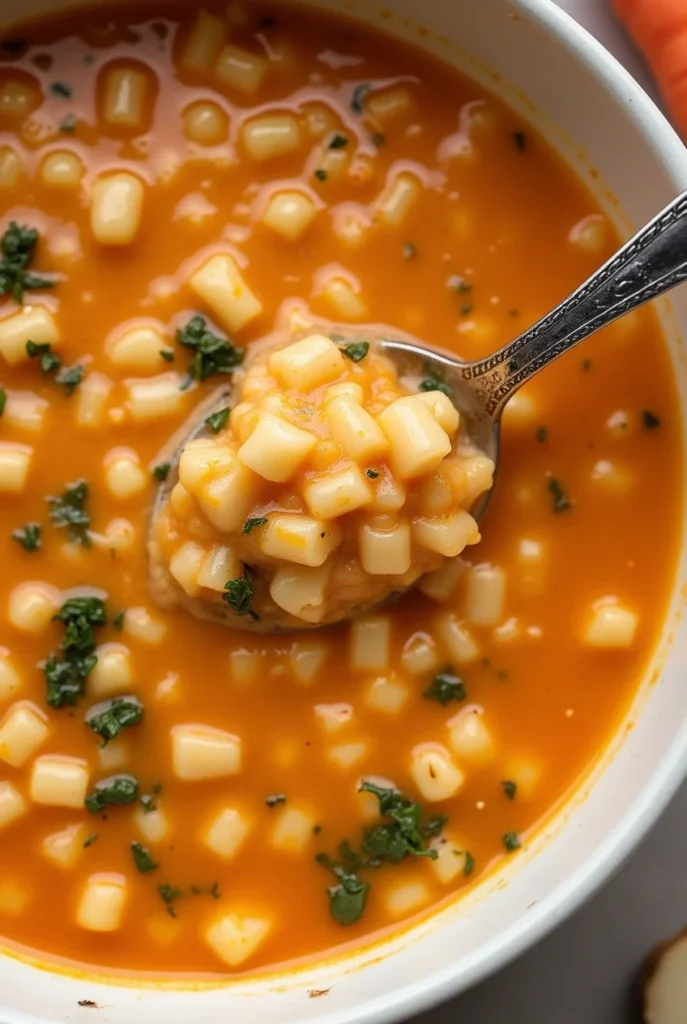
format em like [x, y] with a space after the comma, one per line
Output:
[648, 265]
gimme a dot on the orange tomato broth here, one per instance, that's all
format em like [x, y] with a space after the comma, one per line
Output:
[500, 212]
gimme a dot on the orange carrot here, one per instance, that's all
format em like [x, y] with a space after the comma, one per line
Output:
[659, 28]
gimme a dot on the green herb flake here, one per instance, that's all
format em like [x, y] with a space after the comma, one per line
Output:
[66, 679]
[161, 471]
[239, 595]
[338, 141]
[586, 365]
[511, 841]
[47, 360]
[541, 434]
[372, 473]
[68, 123]
[17, 251]
[252, 524]
[434, 826]
[28, 536]
[400, 835]
[458, 284]
[111, 717]
[358, 99]
[446, 687]
[218, 420]
[321, 174]
[148, 803]
[561, 501]
[433, 380]
[356, 351]
[409, 250]
[316, 829]
[118, 621]
[143, 858]
[520, 140]
[167, 354]
[213, 353]
[650, 420]
[510, 788]
[347, 898]
[61, 90]
[69, 378]
[378, 139]
[275, 799]
[469, 864]
[90, 839]
[3, 400]
[68, 512]
[115, 791]
[169, 894]
[212, 890]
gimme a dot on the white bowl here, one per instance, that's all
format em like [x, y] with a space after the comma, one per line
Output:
[568, 86]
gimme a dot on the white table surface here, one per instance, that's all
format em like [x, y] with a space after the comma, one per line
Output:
[583, 973]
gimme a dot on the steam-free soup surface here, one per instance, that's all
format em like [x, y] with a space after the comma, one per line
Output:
[342, 177]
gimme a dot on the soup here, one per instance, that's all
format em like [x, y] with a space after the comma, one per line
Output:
[176, 796]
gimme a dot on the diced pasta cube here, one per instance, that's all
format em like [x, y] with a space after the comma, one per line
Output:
[343, 297]
[118, 536]
[204, 43]
[417, 442]
[152, 825]
[11, 168]
[387, 104]
[402, 899]
[111, 673]
[31, 323]
[469, 737]
[12, 805]
[485, 595]
[23, 730]
[385, 552]
[91, 400]
[16, 894]
[116, 208]
[114, 757]
[308, 363]
[348, 388]
[137, 348]
[219, 565]
[63, 849]
[450, 861]
[155, 398]
[447, 534]
[276, 449]
[15, 460]
[355, 430]
[206, 123]
[200, 461]
[32, 606]
[390, 494]
[10, 680]
[368, 803]
[526, 771]
[371, 644]
[221, 285]
[319, 119]
[306, 659]
[458, 641]
[59, 781]
[271, 135]
[612, 477]
[387, 694]
[397, 200]
[479, 472]
[185, 565]
[299, 539]
[25, 410]
[226, 833]
[334, 717]
[441, 584]
[102, 903]
[347, 755]
[240, 69]
[443, 410]
[301, 591]
[521, 412]
[589, 234]
[289, 214]
[244, 666]
[203, 752]
[234, 938]
[124, 476]
[335, 494]
[139, 623]
[434, 772]
[227, 500]
[124, 98]
[18, 98]
[611, 625]
[62, 169]
[293, 830]
[419, 654]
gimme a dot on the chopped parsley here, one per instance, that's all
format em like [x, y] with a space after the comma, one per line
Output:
[62, 90]
[469, 864]
[409, 250]
[111, 717]
[510, 788]
[378, 139]
[251, 524]
[511, 841]
[520, 140]
[167, 354]
[338, 141]
[356, 351]
[348, 897]
[372, 473]
[275, 799]
[48, 361]
[68, 512]
[541, 434]
[321, 174]
[650, 420]
[3, 400]
[434, 826]
[218, 420]
[359, 94]
[66, 678]
[161, 471]
[28, 536]
[115, 791]
[206, 890]
[143, 859]
[118, 621]
[212, 353]
[69, 377]
[445, 687]
[169, 895]
[90, 839]
[68, 123]
[561, 501]
[457, 283]
[148, 803]
[433, 380]
[239, 595]
[17, 251]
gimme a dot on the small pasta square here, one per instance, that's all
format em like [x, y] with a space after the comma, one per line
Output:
[102, 902]
[299, 539]
[62, 849]
[371, 644]
[116, 208]
[31, 323]
[308, 363]
[416, 440]
[293, 831]
[221, 285]
[269, 136]
[240, 69]
[289, 214]
[203, 752]
[227, 833]
[58, 781]
[23, 730]
[12, 805]
[15, 461]
[235, 937]
[276, 448]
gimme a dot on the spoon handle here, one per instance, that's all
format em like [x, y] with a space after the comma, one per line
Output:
[653, 261]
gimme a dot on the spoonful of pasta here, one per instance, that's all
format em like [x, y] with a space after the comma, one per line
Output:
[344, 466]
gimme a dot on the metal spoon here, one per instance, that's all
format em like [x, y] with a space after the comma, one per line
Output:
[651, 263]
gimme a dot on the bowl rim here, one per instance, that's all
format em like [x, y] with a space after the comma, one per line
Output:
[436, 987]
